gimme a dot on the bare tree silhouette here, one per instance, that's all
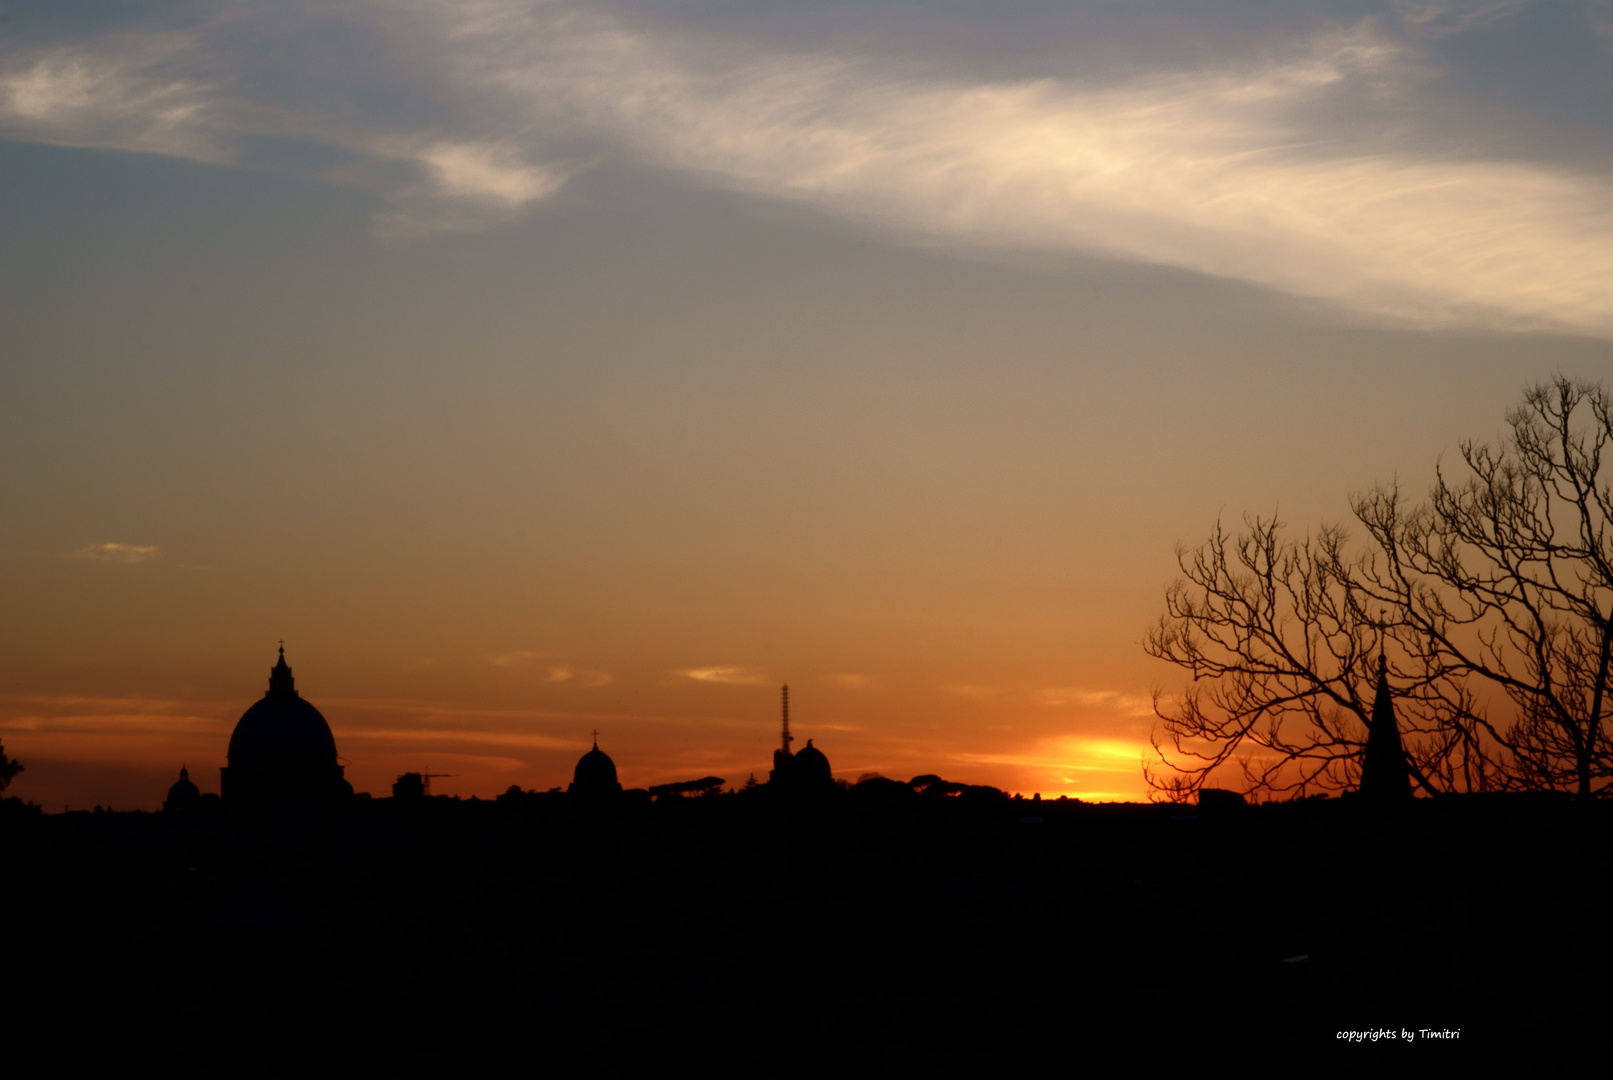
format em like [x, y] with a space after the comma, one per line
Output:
[1492, 602]
[1281, 639]
[1504, 580]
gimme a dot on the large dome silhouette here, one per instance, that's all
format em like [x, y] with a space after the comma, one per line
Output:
[596, 767]
[281, 724]
[282, 755]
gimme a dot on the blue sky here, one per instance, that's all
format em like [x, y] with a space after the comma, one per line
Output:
[1442, 163]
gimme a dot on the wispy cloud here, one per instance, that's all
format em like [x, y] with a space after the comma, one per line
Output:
[1442, 18]
[554, 671]
[465, 187]
[852, 682]
[565, 673]
[1113, 701]
[450, 737]
[117, 553]
[727, 676]
[1235, 171]
[518, 660]
[80, 715]
[115, 95]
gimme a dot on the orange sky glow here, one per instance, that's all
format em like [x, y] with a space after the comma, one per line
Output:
[537, 368]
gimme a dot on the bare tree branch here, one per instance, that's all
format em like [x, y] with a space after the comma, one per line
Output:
[1493, 601]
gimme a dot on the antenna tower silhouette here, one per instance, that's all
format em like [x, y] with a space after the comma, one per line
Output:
[788, 738]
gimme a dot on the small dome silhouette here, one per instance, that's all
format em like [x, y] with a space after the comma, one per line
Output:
[596, 767]
[183, 794]
[812, 765]
[595, 772]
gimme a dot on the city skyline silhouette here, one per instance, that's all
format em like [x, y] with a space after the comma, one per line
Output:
[835, 537]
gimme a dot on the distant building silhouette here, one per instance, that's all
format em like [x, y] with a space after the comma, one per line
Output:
[411, 785]
[184, 797]
[282, 756]
[1385, 775]
[595, 774]
[416, 785]
[809, 768]
[812, 766]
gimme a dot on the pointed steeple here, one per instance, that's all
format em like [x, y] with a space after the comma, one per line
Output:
[1385, 775]
[281, 683]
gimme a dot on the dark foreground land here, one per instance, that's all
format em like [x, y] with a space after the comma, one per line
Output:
[855, 932]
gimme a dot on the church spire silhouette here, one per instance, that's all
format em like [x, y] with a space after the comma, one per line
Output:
[1385, 776]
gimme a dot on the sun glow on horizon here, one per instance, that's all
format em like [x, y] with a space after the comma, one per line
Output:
[381, 738]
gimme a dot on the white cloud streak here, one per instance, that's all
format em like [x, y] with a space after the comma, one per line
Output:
[727, 676]
[115, 95]
[554, 671]
[1113, 702]
[1207, 172]
[1226, 172]
[448, 737]
[1442, 18]
[128, 554]
[465, 187]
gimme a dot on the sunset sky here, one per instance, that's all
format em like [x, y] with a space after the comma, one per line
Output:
[537, 367]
